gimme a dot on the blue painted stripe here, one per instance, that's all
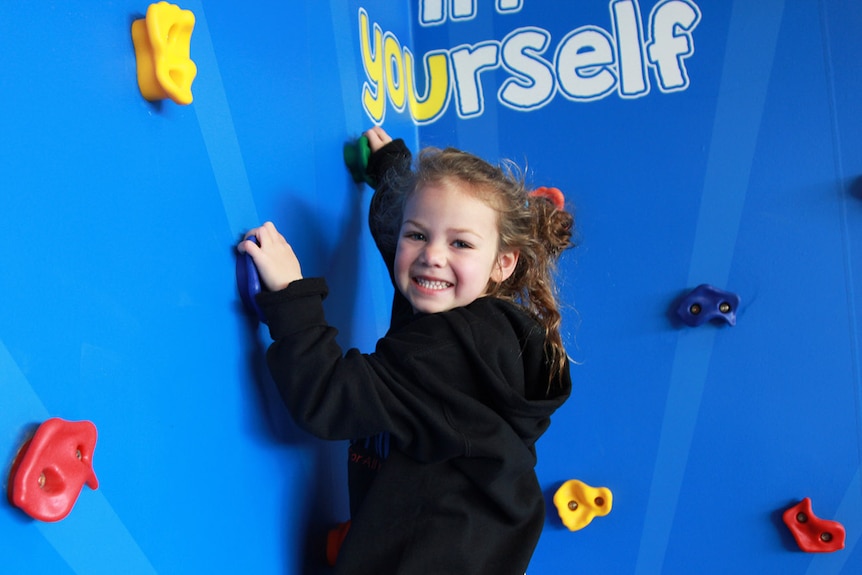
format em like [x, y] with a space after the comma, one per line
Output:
[19, 402]
[688, 374]
[217, 128]
[92, 521]
[843, 180]
[345, 28]
[848, 510]
[745, 79]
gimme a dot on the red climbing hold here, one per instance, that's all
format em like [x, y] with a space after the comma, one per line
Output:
[553, 195]
[51, 469]
[334, 539]
[812, 534]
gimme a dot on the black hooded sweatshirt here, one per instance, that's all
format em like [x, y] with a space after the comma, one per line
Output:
[463, 395]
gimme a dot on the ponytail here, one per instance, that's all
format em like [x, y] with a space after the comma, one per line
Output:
[549, 230]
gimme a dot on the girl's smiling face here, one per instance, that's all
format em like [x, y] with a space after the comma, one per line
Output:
[448, 249]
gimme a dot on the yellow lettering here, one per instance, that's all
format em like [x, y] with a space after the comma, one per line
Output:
[393, 66]
[426, 109]
[373, 93]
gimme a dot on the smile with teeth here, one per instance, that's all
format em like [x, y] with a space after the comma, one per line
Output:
[434, 285]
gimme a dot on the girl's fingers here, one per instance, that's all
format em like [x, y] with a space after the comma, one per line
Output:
[377, 138]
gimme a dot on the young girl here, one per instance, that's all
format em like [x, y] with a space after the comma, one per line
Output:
[464, 382]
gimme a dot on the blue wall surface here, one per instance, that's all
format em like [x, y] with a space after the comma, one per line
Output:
[697, 141]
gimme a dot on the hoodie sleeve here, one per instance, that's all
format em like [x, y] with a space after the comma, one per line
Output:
[445, 385]
[393, 156]
[338, 395]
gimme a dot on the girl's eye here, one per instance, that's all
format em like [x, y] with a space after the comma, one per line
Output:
[461, 244]
[417, 236]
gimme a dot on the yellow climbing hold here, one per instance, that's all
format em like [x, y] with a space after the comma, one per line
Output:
[577, 503]
[162, 45]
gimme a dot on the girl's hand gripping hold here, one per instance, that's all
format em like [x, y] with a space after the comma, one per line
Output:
[274, 258]
[377, 138]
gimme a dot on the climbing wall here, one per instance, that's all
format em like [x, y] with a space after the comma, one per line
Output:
[698, 142]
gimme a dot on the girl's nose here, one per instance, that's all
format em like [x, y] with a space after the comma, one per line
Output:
[434, 255]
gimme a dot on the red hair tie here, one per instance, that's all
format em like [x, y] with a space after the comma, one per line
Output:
[554, 195]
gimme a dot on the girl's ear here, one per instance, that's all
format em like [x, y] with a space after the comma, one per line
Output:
[505, 265]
